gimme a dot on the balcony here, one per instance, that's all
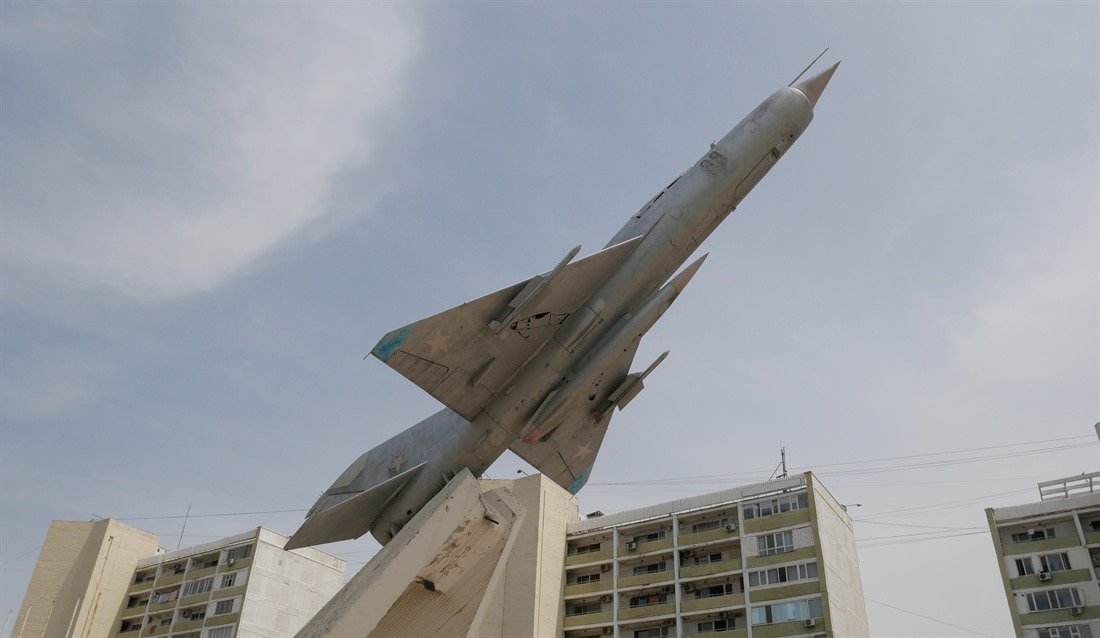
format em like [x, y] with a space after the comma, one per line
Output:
[195, 599]
[646, 579]
[157, 630]
[162, 606]
[587, 557]
[142, 586]
[234, 565]
[1056, 578]
[644, 547]
[1092, 538]
[594, 618]
[791, 628]
[804, 588]
[1045, 545]
[709, 535]
[647, 611]
[1060, 616]
[725, 633]
[711, 602]
[777, 521]
[717, 567]
[803, 553]
[587, 588]
[185, 625]
[201, 573]
[170, 578]
[223, 619]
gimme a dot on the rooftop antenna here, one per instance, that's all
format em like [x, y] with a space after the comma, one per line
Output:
[800, 77]
[185, 517]
[782, 464]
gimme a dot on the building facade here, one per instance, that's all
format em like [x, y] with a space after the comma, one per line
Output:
[243, 586]
[1048, 553]
[772, 559]
[82, 572]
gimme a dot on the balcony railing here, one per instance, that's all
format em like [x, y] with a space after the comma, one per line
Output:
[708, 535]
[588, 588]
[646, 579]
[647, 611]
[716, 567]
[712, 602]
[587, 557]
[594, 618]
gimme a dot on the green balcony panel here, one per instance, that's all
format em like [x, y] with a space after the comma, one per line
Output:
[777, 521]
[1055, 616]
[596, 618]
[158, 630]
[711, 602]
[240, 563]
[136, 587]
[223, 619]
[187, 601]
[170, 579]
[804, 553]
[186, 625]
[587, 588]
[792, 628]
[707, 536]
[706, 569]
[732, 633]
[1092, 538]
[201, 573]
[648, 611]
[1036, 547]
[786, 591]
[646, 579]
[589, 557]
[228, 592]
[1056, 578]
[162, 606]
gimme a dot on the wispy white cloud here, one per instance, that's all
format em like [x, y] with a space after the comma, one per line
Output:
[158, 150]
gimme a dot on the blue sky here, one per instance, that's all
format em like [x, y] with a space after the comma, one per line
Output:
[209, 213]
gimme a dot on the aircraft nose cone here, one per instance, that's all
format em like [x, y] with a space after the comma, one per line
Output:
[813, 87]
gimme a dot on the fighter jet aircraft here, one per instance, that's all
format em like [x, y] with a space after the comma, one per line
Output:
[540, 367]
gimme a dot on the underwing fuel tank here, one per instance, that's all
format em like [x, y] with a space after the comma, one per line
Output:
[539, 367]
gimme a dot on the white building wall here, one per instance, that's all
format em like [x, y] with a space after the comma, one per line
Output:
[839, 572]
[286, 588]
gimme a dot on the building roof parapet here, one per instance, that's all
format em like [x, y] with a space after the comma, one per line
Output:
[1042, 508]
[198, 549]
[731, 495]
[1070, 486]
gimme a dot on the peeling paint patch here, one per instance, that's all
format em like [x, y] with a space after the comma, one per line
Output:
[391, 343]
[579, 483]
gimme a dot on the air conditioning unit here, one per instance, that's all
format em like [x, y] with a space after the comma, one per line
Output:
[606, 598]
[631, 546]
[1076, 611]
[667, 589]
[1044, 576]
[670, 622]
[725, 614]
[688, 587]
[605, 568]
[230, 561]
[810, 622]
[731, 528]
[607, 631]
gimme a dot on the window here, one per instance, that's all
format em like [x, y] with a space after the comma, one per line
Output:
[220, 632]
[645, 601]
[228, 580]
[656, 632]
[1055, 562]
[584, 608]
[649, 569]
[1033, 535]
[1073, 631]
[777, 543]
[652, 536]
[717, 590]
[1054, 599]
[239, 553]
[224, 607]
[783, 612]
[709, 558]
[709, 525]
[1024, 566]
[786, 574]
[781, 505]
[724, 624]
[584, 549]
[198, 586]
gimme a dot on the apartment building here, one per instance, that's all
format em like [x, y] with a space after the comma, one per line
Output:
[1048, 553]
[243, 586]
[772, 559]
